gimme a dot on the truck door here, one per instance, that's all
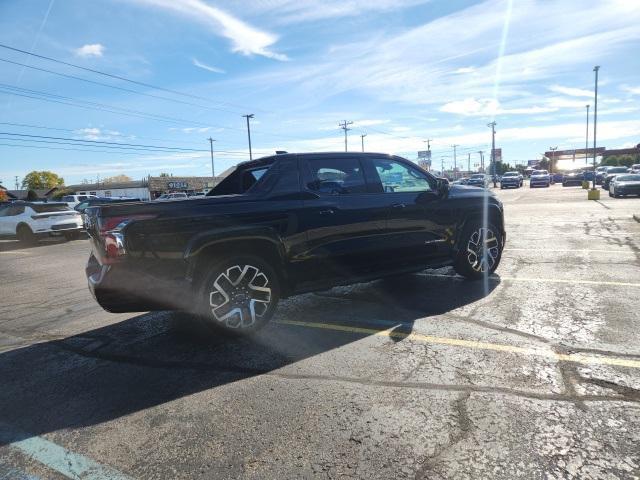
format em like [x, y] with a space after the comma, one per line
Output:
[417, 220]
[343, 222]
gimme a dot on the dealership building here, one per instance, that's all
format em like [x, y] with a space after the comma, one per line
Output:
[149, 188]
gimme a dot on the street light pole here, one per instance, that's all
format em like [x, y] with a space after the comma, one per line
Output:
[553, 157]
[586, 143]
[595, 122]
[249, 133]
[493, 145]
[455, 162]
[481, 160]
[213, 167]
[362, 140]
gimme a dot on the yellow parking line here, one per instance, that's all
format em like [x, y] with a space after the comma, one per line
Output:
[478, 345]
[545, 280]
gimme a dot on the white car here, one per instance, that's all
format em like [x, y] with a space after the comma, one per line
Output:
[172, 196]
[31, 220]
[73, 200]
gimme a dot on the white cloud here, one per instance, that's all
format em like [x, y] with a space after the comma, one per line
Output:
[571, 91]
[245, 39]
[423, 65]
[489, 107]
[631, 90]
[298, 11]
[209, 68]
[94, 133]
[90, 50]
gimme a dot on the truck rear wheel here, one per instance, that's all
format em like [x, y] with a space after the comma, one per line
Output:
[480, 250]
[239, 295]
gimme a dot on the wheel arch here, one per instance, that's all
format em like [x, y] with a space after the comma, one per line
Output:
[265, 245]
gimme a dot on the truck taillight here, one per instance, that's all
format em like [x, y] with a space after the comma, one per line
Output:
[111, 230]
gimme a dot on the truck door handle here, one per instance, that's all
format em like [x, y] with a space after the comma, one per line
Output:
[328, 211]
[398, 205]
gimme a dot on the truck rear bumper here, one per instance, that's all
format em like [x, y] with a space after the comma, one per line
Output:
[118, 289]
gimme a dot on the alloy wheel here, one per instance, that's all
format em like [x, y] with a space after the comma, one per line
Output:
[240, 296]
[483, 250]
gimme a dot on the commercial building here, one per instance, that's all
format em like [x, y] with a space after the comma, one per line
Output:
[148, 189]
[133, 189]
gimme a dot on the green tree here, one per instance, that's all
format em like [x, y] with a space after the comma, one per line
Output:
[31, 195]
[41, 180]
[620, 160]
[163, 174]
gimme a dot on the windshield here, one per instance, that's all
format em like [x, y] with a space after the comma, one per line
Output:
[477, 176]
[540, 172]
[510, 174]
[617, 170]
[628, 178]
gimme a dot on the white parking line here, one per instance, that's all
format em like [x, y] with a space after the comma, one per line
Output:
[55, 457]
[570, 250]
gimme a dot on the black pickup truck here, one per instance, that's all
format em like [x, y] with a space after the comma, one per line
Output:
[283, 225]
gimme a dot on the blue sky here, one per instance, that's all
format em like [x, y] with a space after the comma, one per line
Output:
[402, 71]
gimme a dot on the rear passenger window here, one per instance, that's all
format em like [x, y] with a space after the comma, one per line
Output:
[335, 176]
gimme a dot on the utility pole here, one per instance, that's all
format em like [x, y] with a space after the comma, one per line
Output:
[213, 167]
[17, 183]
[343, 126]
[469, 163]
[481, 160]
[455, 162]
[362, 140]
[249, 134]
[493, 145]
[428, 142]
[442, 166]
[586, 143]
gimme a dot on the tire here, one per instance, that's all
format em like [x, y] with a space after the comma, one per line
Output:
[238, 296]
[25, 235]
[71, 236]
[469, 262]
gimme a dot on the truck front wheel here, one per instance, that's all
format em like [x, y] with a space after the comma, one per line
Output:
[239, 295]
[480, 251]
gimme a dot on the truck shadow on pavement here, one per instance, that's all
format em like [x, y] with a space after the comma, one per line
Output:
[150, 359]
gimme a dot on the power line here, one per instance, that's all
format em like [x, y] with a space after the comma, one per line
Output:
[22, 92]
[117, 77]
[101, 142]
[73, 77]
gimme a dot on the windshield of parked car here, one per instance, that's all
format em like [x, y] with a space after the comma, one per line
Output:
[628, 178]
[618, 170]
[540, 172]
[479, 175]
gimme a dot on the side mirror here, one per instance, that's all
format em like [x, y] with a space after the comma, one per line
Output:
[443, 187]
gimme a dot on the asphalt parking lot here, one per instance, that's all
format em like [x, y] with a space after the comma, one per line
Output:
[533, 374]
